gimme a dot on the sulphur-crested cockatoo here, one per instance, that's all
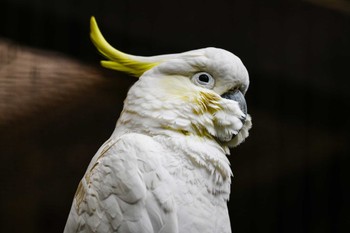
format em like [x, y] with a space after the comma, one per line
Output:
[164, 169]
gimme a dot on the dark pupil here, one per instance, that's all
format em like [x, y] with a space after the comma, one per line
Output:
[203, 78]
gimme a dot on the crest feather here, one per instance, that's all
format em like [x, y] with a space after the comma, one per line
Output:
[118, 60]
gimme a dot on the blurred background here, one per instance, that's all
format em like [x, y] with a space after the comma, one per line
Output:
[57, 105]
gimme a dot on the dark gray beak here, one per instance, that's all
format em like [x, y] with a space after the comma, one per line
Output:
[237, 96]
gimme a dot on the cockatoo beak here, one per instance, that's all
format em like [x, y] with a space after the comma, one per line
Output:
[237, 96]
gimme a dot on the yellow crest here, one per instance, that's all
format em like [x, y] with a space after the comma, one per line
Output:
[118, 60]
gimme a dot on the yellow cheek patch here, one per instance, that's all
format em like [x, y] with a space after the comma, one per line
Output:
[197, 104]
[118, 60]
[206, 102]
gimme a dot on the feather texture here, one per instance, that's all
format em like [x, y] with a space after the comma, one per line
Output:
[130, 187]
[123, 189]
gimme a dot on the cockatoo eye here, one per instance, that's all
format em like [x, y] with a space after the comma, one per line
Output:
[203, 79]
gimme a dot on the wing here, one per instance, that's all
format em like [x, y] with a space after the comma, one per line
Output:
[125, 189]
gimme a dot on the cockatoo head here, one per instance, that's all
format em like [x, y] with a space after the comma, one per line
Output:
[196, 93]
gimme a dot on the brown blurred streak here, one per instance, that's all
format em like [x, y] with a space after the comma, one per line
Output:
[55, 112]
[338, 5]
[32, 80]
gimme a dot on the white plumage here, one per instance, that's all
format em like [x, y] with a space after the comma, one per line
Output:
[164, 169]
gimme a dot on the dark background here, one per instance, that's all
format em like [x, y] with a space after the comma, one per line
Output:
[58, 106]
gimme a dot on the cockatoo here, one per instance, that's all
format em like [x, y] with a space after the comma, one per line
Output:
[165, 167]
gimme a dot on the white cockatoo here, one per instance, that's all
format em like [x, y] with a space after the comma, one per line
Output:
[164, 169]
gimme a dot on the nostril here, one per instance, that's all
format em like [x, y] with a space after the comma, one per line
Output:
[243, 118]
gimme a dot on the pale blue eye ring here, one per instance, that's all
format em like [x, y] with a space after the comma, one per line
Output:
[203, 79]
